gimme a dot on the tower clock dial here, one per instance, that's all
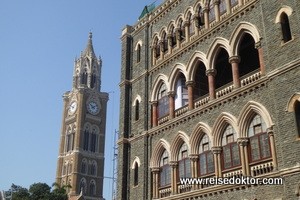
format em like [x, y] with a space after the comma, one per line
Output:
[93, 107]
[72, 107]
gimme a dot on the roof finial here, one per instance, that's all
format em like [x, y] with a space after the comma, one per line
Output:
[90, 35]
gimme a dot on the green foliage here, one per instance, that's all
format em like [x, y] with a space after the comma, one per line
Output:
[40, 191]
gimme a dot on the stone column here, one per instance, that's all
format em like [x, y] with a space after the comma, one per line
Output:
[272, 145]
[153, 55]
[228, 6]
[171, 95]
[217, 160]
[195, 24]
[154, 113]
[210, 73]
[217, 9]
[190, 87]
[194, 168]
[174, 166]
[187, 30]
[206, 17]
[241, 2]
[260, 57]
[169, 43]
[243, 142]
[178, 42]
[162, 51]
[234, 61]
[155, 183]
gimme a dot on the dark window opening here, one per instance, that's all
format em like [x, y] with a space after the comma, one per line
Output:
[201, 81]
[248, 54]
[93, 80]
[163, 102]
[137, 110]
[138, 53]
[223, 68]
[84, 78]
[136, 174]
[200, 18]
[173, 39]
[86, 140]
[165, 42]
[285, 27]
[181, 31]
[297, 115]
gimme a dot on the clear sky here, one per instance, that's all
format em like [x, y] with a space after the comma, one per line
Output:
[39, 40]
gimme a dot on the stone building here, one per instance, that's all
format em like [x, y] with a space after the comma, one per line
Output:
[81, 152]
[210, 88]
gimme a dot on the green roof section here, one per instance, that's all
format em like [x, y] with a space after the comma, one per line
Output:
[147, 9]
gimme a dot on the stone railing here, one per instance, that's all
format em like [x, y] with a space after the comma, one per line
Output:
[164, 192]
[184, 188]
[262, 169]
[201, 102]
[224, 91]
[251, 79]
[236, 173]
[181, 111]
[163, 120]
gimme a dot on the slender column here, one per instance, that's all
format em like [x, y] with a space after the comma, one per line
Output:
[195, 24]
[178, 42]
[206, 17]
[154, 113]
[241, 2]
[190, 87]
[153, 55]
[169, 43]
[242, 142]
[187, 31]
[261, 58]
[162, 50]
[194, 160]
[228, 6]
[174, 166]
[273, 149]
[234, 61]
[211, 82]
[217, 160]
[155, 172]
[217, 9]
[171, 95]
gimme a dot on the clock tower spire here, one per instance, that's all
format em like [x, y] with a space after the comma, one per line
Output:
[81, 152]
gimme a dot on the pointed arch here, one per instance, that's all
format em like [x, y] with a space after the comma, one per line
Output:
[180, 138]
[219, 126]
[199, 131]
[178, 68]
[137, 98]
[248, 112]
[170, 26]
[188, 10]
[140, 42]
[291, 103]
[198, 56]
[161, 78]
[284, 9]
[158, 150]
[242, 28]
[136, 160]
[214, 48]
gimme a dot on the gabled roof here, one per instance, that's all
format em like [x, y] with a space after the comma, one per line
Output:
[147, 9]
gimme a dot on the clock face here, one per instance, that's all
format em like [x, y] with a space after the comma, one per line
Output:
[73, 107]
[93, 107]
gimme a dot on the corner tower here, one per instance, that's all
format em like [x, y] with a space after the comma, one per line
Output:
[81, 151]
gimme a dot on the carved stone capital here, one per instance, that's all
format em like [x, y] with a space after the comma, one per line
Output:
[242, 141]
[211, 72]
[155, 170]
[258, 45]
[171, 94]
[216, 150]
[173, 164]
[234, 59]
[216, 2]
[153, 103]
[194, 157]
[190, 83]
[270, 131]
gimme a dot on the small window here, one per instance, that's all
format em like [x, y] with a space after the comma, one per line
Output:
[138, 53]
[92, 188]
[165, 171]
[231, 152]
[184, 162]
[82, 186]
[136, 174]
[285, 27]
[206, 157]
[163, 101]
[83, 167]
[297, 116]
[137, 110]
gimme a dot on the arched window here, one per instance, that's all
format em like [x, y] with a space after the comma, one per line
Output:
[163, 101]
[137, 110]
[222, 7]
[191, 24]
[211, 11]
[184, 164]
[156, 48]
[83, 166]
[181, 30]
[223, 68]
[201, 81]
[206, 157]
[138, 53]
[92, 189]
[86, 137]
[70, 141]
[165, 171]
[82, 186]
[259, 139]
[285, 27]
[84, 77]
[94, 141]
[165, 42]
[173, 37]
[181, 97]
[249, 59]
[136, 174]
[231, 152]
[93, 168]
[93, 80]
[297, 116]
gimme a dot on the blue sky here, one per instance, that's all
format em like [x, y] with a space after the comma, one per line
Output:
[39, 40]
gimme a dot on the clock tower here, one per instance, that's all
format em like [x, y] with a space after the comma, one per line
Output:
[81, 151]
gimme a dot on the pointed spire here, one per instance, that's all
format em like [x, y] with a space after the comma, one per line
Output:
[89, 50]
